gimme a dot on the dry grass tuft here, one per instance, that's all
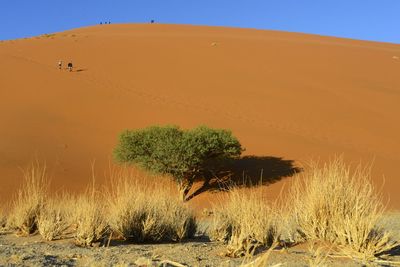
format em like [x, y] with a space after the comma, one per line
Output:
[262, 261]
[54, 219]
[3, 220]
[143, 209]
[29, 201]
[334, 204]
[139, 208]
[318, 256]
[246, 221]
[89, 216]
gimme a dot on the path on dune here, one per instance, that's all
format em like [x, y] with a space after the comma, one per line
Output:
[285, 95]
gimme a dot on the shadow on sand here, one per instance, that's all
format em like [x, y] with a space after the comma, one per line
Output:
[80, 70]
[246, 171]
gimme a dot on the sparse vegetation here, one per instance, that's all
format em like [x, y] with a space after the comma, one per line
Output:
[29, 200]
[137, 210]
[54, 219]
[90, 219]
[262, 261]
[184, 154]
[3, 219]
[333, 203]
[329, 203]
[145, 212]
[48, 35]
[245, 221]
[317, 256]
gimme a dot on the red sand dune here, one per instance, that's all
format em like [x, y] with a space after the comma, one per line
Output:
[289, 95]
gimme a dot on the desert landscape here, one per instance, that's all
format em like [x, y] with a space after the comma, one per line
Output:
[289, 98]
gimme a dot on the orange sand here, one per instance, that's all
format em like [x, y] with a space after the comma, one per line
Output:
[287, 95]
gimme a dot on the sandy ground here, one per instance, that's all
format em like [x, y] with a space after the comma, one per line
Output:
[200, 251]
[286, 96]
[34, 252]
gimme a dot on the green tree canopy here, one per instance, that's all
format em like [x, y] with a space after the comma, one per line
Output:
[184, 154]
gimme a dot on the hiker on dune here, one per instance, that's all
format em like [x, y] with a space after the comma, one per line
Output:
[70, 66]
[60, 64]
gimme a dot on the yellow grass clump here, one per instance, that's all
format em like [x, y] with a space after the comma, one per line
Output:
[54, 219]
[245, 220]
[89, 217]
[261, 261]
[138, 208]
[144, 209]
[29, 201]
[318, 255]
[3, 219]
[341, 206]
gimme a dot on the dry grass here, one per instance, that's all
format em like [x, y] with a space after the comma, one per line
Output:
[138, 208]
[143, 209]
[29, 201]
[333, 203]
[245, 220]
[329, 203]
[89, 217]
[3, 219]
[318, 255]
[262, 261]
[54, 219]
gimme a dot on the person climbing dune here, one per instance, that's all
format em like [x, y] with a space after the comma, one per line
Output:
[60, 64]
[70, 66]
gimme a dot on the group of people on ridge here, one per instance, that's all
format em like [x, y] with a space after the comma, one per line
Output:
[69, 65]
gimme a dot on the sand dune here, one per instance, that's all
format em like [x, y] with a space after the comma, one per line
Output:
[288, 95]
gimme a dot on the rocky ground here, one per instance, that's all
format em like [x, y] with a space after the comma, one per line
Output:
[34, 251]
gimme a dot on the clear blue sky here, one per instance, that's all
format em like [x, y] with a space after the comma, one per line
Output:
[377, 20]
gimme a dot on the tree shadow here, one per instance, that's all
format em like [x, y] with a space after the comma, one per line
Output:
[246, 171]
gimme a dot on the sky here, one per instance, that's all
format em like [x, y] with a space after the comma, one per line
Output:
[375, 20]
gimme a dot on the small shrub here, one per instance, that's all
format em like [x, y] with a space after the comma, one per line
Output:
[245, 220]
[29, 201]
[3, 219]
[318, 256]
[334, 204]
[261, 261]
[48, 35]
[90, 220]
[54, 219]
[143, 212]
[184, 154]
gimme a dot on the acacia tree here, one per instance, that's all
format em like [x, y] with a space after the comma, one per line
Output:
[183, 154]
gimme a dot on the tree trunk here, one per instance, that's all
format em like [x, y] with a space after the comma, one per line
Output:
[203, 188]
[184, 187]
